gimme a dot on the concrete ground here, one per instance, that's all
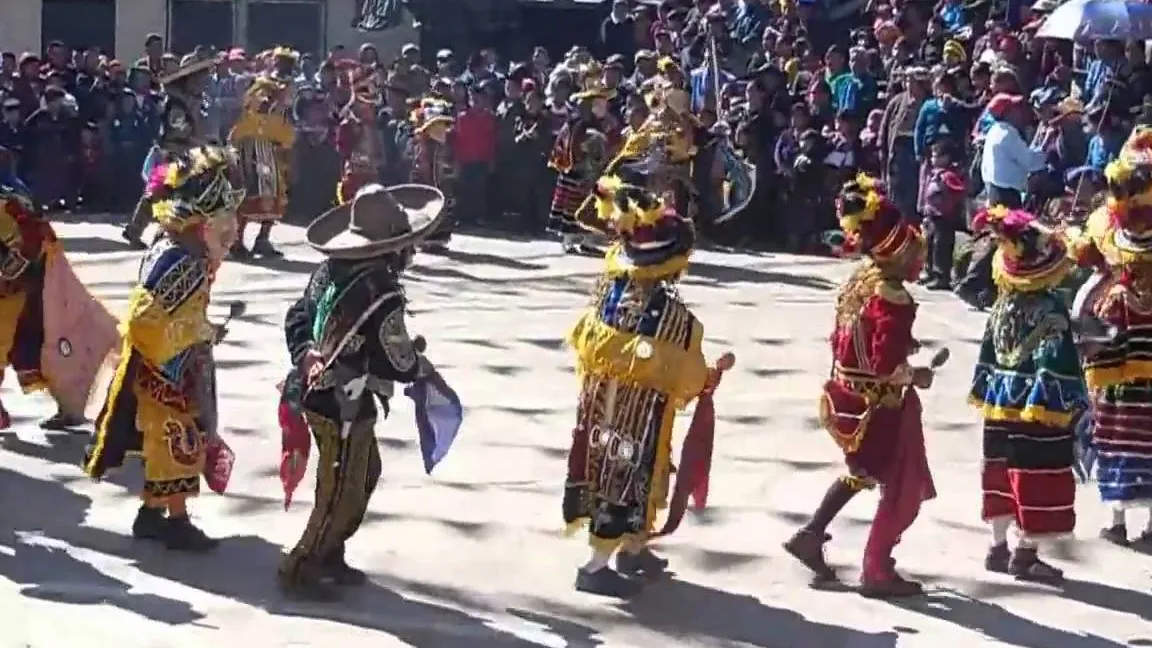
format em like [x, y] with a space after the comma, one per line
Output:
[471, 556]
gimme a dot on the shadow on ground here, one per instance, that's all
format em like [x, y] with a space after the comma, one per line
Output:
[999, 624]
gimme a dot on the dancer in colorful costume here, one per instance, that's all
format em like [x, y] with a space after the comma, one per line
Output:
[1118, 241]
[666, 141]
[179, 131]
[870, 405]
[639, 358]
[579, 157]
[161, 402]
[433, 163]
[53, 333]
[264, 136]
[349, 344]
[359, 141]
[1029, 388]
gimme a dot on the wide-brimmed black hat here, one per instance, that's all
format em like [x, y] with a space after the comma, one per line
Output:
[378, 220]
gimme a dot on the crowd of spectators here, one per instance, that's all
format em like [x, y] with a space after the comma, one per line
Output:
[944, 101]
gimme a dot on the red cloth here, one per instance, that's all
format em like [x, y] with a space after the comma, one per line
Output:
[218, 465]
[1041, 502]
[474, 138]
[295, 446]
[692, 477]
[906, 485]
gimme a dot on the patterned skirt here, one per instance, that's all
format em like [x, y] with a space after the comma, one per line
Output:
[619, 463]
[1123, 441]
[572, 189]
[266, 194]
[1028, 476]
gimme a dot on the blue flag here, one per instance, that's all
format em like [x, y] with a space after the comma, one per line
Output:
[439, 415]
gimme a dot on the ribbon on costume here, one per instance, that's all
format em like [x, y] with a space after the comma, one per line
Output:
[693, 475]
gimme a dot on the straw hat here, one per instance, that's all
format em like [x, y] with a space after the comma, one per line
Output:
[188, 67]
[378, 220]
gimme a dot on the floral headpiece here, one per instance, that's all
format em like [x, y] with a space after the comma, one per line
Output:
[194, 188]
[872, 224]
[873, 201]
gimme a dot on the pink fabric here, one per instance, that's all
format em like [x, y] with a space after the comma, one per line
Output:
[79, 335]
[156, 180]
[908, 484]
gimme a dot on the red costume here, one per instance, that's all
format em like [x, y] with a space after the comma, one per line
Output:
[869, 405]
[360, 143]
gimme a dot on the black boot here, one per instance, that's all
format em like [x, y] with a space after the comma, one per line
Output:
[182, 535]
[238, 251]
[605, 582]
[262, 246]
[307, 585]
[997, 558]
[1027, 566]
[150, 524]
[342, 574]
[1117, 534]
[61, 421]
[644, 561]
[807, 545]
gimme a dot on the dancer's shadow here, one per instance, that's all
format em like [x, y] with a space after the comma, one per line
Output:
[244, 569]
[1107, 597]
[999, 624]
[684, 609]
[42, 524]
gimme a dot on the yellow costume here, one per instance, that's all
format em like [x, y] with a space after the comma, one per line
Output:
[263, 137]
[158, 402]
[639, 358]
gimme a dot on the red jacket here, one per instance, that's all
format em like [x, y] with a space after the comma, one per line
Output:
[475, 136]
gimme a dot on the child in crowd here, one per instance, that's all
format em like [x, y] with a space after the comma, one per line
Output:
[942, 207]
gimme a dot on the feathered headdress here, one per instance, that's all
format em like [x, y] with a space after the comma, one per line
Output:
[283, 52]
[193, 188]
[650, 233]
[432, 112]
[872, 224]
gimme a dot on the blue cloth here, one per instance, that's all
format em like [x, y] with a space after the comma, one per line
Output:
[1096, 82]
[749, 21]
[1028, 358]
[857, 94]
[938, 119]
[1123, 468]
[704, 85]
[953, 16]
[1102, 149]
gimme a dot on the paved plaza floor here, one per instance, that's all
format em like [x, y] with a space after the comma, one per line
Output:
[472, 556]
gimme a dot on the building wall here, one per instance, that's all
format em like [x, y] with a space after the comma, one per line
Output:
[20, 27]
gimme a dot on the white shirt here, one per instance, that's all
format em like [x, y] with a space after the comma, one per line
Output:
[1008, 160]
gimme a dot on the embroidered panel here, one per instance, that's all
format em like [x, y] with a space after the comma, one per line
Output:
[1022, 323]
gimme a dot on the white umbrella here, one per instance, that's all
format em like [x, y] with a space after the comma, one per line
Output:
[1083, 20]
